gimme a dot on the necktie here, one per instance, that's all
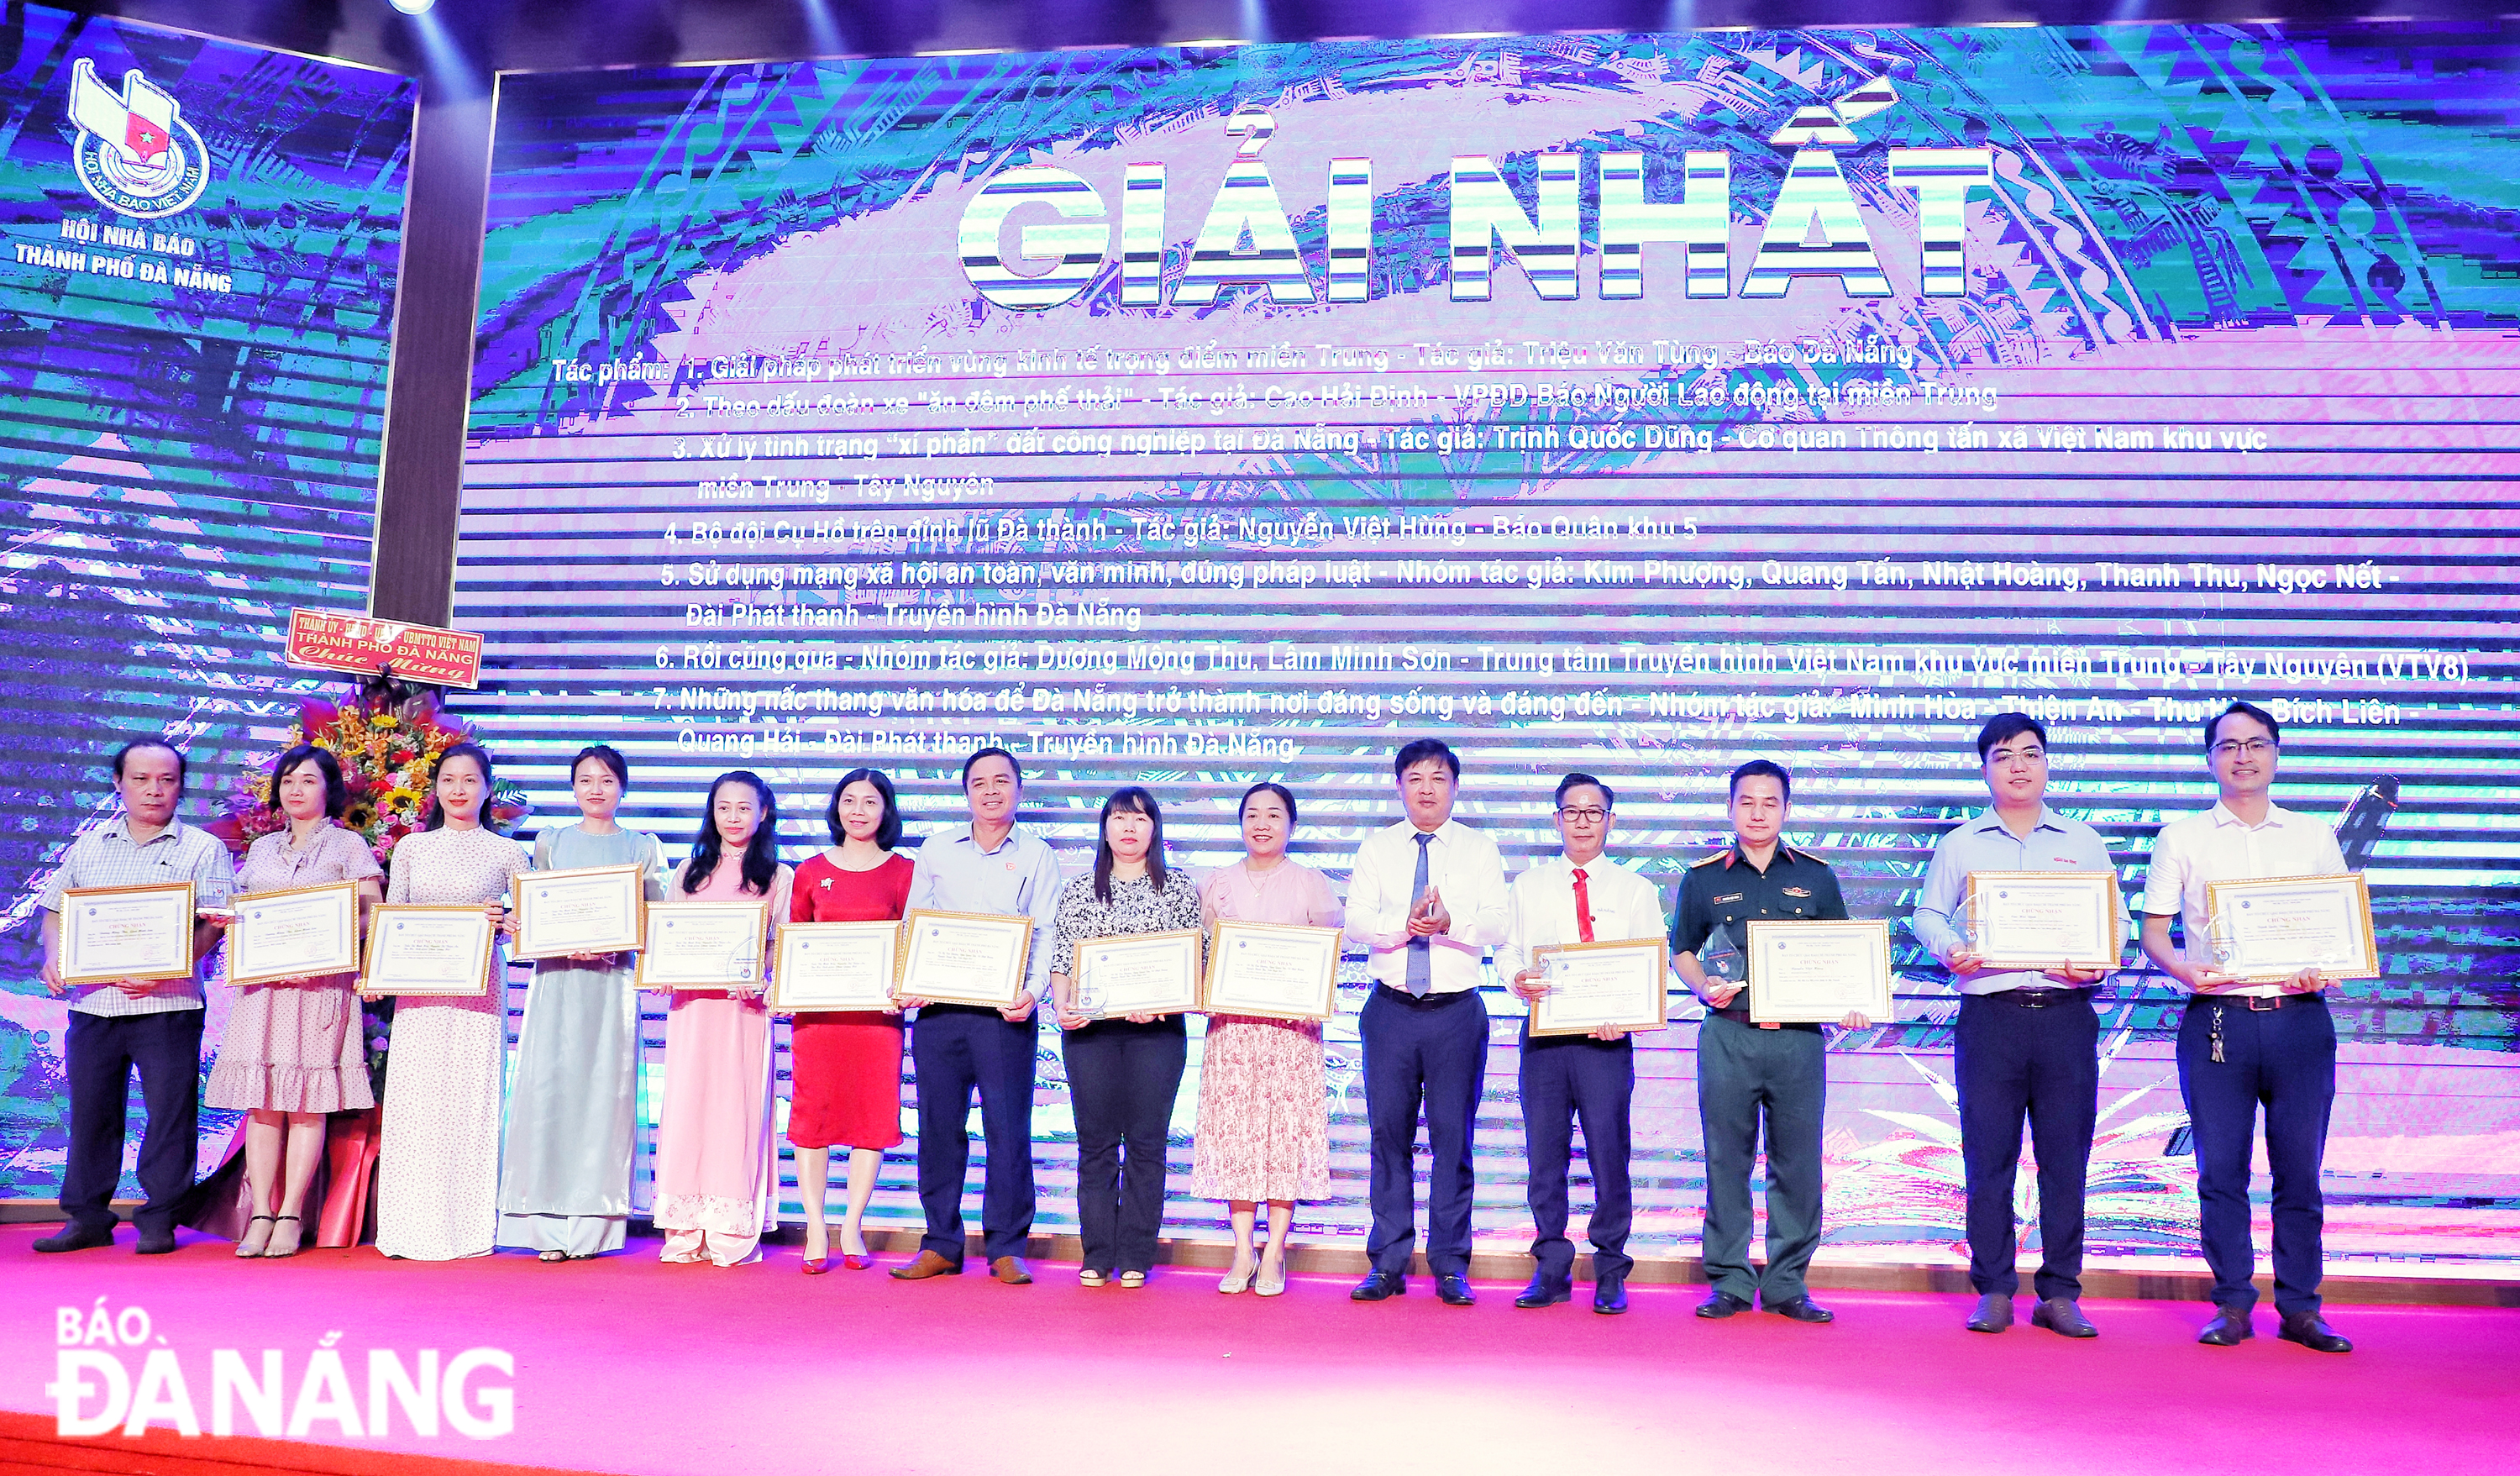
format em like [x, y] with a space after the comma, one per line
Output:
[1421, 956]
[1583, 908]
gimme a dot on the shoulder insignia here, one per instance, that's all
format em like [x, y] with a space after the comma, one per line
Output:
[1722, 854]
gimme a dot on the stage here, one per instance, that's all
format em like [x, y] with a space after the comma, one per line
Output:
[761, 1368]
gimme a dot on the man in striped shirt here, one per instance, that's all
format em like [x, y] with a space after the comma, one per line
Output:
[131, 1024]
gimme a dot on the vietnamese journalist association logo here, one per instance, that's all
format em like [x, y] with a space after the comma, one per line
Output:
[135, 154]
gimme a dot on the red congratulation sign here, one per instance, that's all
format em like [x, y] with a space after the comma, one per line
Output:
[332, 640]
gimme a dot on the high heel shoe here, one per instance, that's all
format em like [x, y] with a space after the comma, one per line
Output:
[1271, 1281]
[1235, 1281]
[816, 1266]
[855, 1260]
[284, 1243]
[254, 1239]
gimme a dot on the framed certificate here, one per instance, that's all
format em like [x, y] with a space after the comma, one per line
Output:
[704, 945]
[2040, 920]
[1804, 973]
[591, 911]
[1619, 984]
[2274, 929]
[835, 966]
[964, 957]
[295, 934]
[126, 933]
[1138, 973]
[429, 951]
[1275, 971]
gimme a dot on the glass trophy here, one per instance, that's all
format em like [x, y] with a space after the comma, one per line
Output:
[2222, 942]
[1970, 922]
[1720, 957]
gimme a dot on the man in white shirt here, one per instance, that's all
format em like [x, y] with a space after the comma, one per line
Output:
[1580, 896]
[1427, 899]
[152, 1028]
[2243, 1043]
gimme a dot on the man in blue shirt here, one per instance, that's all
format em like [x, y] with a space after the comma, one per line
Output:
[2027, 1042]
[991, 865]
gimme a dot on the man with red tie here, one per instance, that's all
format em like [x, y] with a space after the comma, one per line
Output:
[1580, 897]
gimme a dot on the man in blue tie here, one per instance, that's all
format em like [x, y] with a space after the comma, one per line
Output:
[1427, 899]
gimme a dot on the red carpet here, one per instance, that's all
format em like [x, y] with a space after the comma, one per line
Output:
[626, 1365]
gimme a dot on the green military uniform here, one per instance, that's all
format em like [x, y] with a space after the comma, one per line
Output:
[1747, 1073]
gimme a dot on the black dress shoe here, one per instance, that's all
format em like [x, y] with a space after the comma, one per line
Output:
[2307, 1329]
[1543, 1292]
[1722, 1303]
[157, 1242]
[1993, 1313]
[75, 1236]
[1610, 1296]
[1379, 1285]
[2063, 1317]
[2231, 1326]
[1453, 1291]
[1802, 1310]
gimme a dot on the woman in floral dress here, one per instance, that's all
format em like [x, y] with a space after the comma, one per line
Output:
[1264, 1126]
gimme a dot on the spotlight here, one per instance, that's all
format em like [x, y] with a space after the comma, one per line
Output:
[411, 7]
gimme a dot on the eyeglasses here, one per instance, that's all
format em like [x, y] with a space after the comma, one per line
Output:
[2250, 746]
[1584, 817]
[2017, 755]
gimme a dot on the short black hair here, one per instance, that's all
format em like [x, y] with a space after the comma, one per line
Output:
[606, 755]
[2275, 735]
[2007, 725]
[1609, 799]
[1752, 769]
[1285, 795]
[1421, 750]
[337, 789]
[888, 833]
[183, 771]
[1011, 763]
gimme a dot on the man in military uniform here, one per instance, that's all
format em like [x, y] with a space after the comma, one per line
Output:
[1749, 1075]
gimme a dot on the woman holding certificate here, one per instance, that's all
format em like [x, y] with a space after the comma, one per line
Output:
[564, 1176]
[292, 1050]
[713, 1151]
[1264, 1125]
[1122, 1073]
[846, 1063]
[438, 1164]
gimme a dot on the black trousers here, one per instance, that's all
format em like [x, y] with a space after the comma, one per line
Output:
[2283, 1061]
[98, 1055]
[1122, 1079]
[2012, 1061]
[1566, 1079]
[1432, 1052]
[957, 1049]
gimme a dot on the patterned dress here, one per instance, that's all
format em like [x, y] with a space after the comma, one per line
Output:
[714, 1155]
[437, 1166]
[1263, 1122]
[296, 1047]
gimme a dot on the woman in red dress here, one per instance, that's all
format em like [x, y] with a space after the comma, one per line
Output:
[846, 1063]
